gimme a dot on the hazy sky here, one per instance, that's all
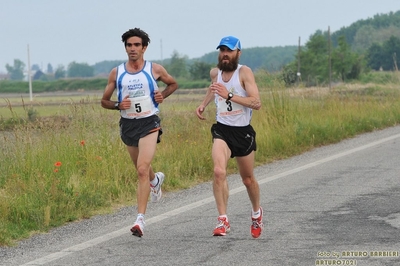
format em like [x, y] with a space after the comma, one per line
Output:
[89, 31]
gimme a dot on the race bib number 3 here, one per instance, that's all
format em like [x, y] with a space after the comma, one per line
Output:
[140, 106]
[229, 108]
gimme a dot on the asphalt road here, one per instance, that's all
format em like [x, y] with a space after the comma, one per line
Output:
[334, 205]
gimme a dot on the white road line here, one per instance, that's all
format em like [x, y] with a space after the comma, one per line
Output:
[93, 242]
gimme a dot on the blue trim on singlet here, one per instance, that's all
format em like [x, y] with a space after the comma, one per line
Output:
[119, 84]
[150, 80]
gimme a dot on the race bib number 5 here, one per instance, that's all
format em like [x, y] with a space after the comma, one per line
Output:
[140, 106]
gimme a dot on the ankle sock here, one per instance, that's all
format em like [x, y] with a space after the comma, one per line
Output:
[140, 216]
[155, 181]
[255, 214]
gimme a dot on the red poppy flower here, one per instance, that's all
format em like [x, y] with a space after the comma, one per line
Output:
[57, 164]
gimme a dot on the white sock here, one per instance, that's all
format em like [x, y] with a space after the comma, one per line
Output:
[140, 216]
[155, 181]
[255, 214]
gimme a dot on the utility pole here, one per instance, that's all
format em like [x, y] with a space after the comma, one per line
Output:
[29, 76]
[298, 65]
[329, 57]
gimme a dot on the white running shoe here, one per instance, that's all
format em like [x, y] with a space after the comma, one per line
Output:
[138, 227]
[156, 192]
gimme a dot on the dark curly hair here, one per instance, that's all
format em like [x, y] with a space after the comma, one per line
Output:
[138, 33]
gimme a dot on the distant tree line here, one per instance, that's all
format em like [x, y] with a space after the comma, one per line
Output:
[361, 34]
[385, 56]
[365, 45]
[74, 70]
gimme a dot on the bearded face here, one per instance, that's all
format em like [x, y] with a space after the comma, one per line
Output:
[232, 63]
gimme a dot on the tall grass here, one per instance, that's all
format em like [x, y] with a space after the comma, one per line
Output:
[73, 165]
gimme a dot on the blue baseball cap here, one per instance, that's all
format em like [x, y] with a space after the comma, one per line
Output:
[231, 42]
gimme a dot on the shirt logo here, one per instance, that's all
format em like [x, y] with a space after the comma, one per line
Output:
[136, 93]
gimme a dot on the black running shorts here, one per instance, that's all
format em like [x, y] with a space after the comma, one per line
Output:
[131, 130]
[240, 140]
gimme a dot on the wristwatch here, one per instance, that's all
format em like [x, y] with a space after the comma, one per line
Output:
[116, 106]
[230, 95]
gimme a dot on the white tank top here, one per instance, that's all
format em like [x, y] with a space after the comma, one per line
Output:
[140, 87]
[232, 114]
